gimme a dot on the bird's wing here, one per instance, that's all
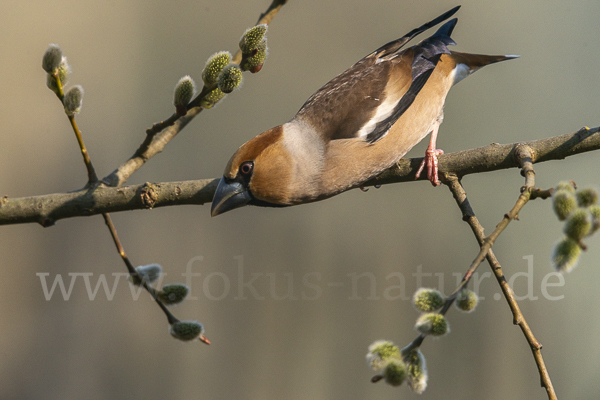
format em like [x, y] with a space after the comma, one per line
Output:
[367, 99]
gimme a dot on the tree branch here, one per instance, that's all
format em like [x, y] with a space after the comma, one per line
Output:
[496, 156]
[47, 209]
[486, 243]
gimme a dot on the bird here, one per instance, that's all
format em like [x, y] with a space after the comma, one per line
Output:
[354, 127]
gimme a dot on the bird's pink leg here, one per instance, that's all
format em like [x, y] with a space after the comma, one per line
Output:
[431, 160]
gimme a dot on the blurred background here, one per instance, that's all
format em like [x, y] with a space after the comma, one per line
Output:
[290, 298]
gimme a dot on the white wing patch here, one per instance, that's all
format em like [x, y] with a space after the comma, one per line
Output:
[384, 110]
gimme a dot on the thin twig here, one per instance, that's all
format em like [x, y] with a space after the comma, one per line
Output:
[92, 181]
[92, 177]
[161, 133]
[524, 156]
[469, 216]
[113, 232]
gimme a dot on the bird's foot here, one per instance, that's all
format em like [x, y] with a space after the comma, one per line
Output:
[431, 161]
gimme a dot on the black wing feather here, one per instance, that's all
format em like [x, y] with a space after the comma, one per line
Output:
[406, 101]
[427, 55]
[395, 45]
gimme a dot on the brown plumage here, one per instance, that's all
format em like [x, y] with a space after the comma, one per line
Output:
[353, 128]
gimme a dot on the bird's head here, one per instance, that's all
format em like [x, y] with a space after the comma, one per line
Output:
[257, 174]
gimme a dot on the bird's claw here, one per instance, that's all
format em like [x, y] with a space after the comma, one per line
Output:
[431, 161]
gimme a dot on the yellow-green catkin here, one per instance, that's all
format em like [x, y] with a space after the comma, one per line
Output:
[565, 255]
[252, 38]
[230, 78]
[432, 324]
[579, 224]
[569, 186]
[466, 300]
[416, 371]
[212, 98]
[184, 92]
[587, 197]
[394, 372]
[595, 213]
[214, 66]
[254, 61]
[380, 352]
[427, 300]
[563, 203]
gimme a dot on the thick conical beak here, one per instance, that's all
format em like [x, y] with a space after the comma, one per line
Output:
[229, 196]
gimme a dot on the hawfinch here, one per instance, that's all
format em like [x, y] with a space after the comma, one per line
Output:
[353, 128]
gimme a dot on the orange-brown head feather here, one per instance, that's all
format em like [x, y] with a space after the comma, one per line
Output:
[271, 166]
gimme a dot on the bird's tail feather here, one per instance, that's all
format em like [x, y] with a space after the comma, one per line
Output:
[395, 45]
[476, 61]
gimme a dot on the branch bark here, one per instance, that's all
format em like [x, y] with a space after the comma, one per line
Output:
[497, 156]
[47, 209]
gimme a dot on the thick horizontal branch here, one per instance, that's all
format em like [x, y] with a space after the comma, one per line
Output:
[496, 156]
[48, 209]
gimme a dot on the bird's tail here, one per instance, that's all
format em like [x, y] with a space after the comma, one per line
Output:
[395, 45]
[476, 61]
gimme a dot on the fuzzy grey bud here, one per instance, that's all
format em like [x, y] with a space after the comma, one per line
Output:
[52, 58]
[73, 99]
[149, 273]
[186, 330]
[173, 293]
[63, 72]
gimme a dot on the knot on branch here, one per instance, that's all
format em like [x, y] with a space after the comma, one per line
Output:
[524, 154]
[586, 132]
[525, 157]
[149, 195]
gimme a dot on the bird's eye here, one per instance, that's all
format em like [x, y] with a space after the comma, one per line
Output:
[246, 168]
